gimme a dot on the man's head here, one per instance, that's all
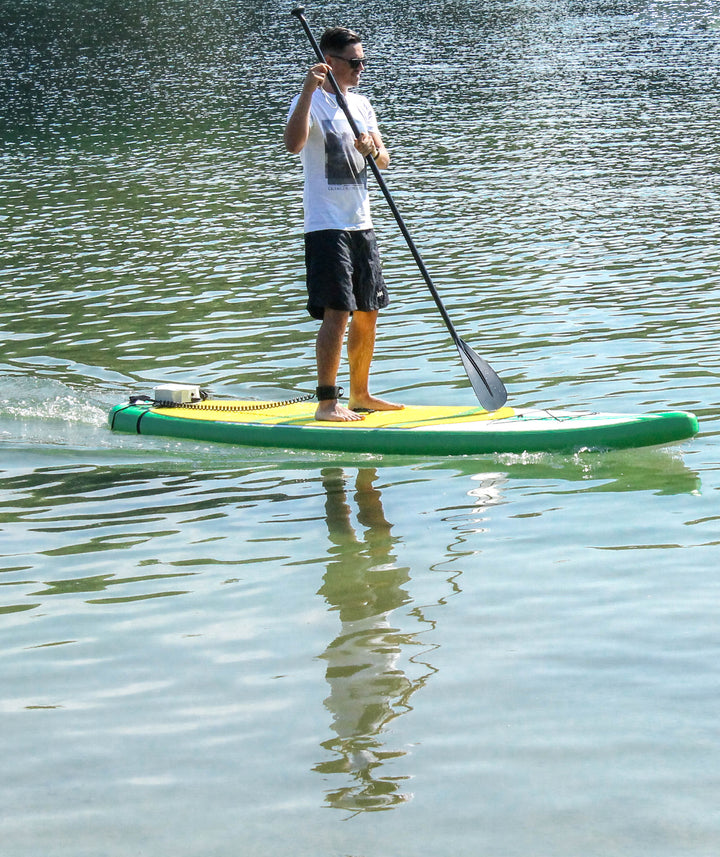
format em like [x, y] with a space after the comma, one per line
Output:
[344, 54]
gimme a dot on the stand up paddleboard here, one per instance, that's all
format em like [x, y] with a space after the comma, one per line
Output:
[181, 412]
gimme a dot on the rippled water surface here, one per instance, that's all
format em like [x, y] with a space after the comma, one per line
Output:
[207, 650]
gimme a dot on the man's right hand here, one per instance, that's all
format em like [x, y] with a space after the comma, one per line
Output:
[316, 76]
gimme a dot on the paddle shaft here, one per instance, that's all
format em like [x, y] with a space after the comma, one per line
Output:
[342, 102]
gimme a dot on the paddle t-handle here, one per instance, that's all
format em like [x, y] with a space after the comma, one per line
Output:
[486, 384]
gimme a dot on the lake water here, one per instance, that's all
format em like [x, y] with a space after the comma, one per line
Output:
[216, 651]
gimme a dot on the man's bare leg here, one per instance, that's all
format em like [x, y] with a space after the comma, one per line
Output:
[361, 346]
[328, 351]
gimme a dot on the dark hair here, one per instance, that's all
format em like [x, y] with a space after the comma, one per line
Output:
[337, 39]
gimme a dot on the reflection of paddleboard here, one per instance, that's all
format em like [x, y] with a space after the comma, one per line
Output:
[431, 430]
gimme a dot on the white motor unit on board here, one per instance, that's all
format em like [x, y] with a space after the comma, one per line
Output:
[177, 394]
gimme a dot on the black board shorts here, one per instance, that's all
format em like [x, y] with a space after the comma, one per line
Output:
[344, 271]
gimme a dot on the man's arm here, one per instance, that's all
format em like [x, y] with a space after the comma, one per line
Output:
[383, 156]
[297, 129]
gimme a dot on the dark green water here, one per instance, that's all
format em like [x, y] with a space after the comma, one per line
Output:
[215, 651]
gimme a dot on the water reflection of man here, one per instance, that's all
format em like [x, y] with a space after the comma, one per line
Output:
[368, 688]
[344, 275]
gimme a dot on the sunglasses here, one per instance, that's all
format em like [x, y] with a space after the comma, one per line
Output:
[354, 63]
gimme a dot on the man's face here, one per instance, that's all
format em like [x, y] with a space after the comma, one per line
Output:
[345, 65]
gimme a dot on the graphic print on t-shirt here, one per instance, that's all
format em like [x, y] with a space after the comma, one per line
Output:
[340, 161]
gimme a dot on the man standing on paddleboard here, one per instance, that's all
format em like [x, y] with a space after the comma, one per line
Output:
[344, 276]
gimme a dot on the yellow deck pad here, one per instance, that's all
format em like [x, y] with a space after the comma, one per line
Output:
[302, 413]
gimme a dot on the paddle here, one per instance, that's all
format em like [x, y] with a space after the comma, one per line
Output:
[488, 387]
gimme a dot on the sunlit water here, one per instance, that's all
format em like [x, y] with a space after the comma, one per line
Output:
[218, 651]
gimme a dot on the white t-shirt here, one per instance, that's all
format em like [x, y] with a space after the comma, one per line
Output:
[335, 194]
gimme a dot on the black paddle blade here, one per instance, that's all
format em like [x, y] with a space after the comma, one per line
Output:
[488, 387]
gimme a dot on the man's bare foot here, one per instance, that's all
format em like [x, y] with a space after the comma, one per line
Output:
[371, 403]
[330, 410]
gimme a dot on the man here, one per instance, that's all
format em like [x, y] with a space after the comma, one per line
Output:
[344, 276]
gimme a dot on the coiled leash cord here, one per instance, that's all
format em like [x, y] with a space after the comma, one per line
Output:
[215, 406]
